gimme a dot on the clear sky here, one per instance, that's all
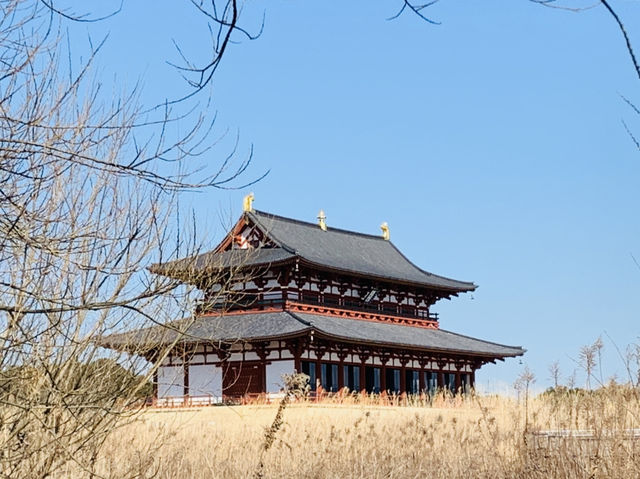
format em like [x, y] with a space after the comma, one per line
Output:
[492, 144]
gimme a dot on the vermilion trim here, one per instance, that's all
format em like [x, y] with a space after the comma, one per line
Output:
[360, 315]
[335, 312]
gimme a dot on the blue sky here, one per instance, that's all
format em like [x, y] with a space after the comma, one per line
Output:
[492, 144]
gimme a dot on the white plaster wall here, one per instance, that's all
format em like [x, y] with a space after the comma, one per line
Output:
[275, 370]
[285, 354]
[205, 380]
[251, 356]
[272, 283]
[197, 358]
[273, 355]
[170, 381]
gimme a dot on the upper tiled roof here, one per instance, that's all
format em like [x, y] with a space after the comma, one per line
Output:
[349, 251]
[335, 249]
[264, 326]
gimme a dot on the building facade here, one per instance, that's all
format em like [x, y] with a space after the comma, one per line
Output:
[347, 309]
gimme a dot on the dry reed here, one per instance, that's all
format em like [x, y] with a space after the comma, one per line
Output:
[483, 437]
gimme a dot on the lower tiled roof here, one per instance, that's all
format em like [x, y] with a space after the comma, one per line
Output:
[408, 336]
[273, 325]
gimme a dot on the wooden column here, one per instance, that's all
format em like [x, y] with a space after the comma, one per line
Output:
[441, 365]
[297, 362]
[342, 355]
[295, 347]
[364, 356]
[423, 363]
[185, 367]
[284, 278]
[155, 385]
[342, 288]
[260, 283]
[321, 349]
[385, 357]
[318, 373]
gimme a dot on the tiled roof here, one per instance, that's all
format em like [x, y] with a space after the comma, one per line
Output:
[211, 261]
[264, 326]
[335, 249]
[349, 251]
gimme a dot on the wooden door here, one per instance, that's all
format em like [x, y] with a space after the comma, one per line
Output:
[242, 378]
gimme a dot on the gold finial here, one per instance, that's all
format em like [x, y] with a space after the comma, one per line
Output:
[322, 221]
[385, 231]
[247, 203]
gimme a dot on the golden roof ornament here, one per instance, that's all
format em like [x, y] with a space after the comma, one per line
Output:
[385, 231]
[322, 221]
[247, 203]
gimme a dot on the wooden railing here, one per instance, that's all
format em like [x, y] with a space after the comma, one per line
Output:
[316, 299]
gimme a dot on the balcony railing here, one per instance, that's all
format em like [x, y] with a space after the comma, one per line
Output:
[250, 302]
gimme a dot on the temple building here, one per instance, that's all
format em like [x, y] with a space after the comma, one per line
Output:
[348, 309]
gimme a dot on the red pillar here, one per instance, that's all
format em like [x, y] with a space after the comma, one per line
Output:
[185, 366]
[318, 372]
[155, 386]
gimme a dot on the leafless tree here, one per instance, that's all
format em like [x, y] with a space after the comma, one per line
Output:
[554, 371]
[523, 385]
[589, 358]
[88, 195]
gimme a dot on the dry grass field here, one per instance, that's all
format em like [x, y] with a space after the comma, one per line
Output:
[487, 437]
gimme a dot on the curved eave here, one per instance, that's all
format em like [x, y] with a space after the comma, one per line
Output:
[196, 275]
[387, 279]
[413, 347]
[144, 348]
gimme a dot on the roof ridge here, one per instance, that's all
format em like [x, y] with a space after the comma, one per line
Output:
[256, 219]
[315, 225]
[298, 318]
[257, 214]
